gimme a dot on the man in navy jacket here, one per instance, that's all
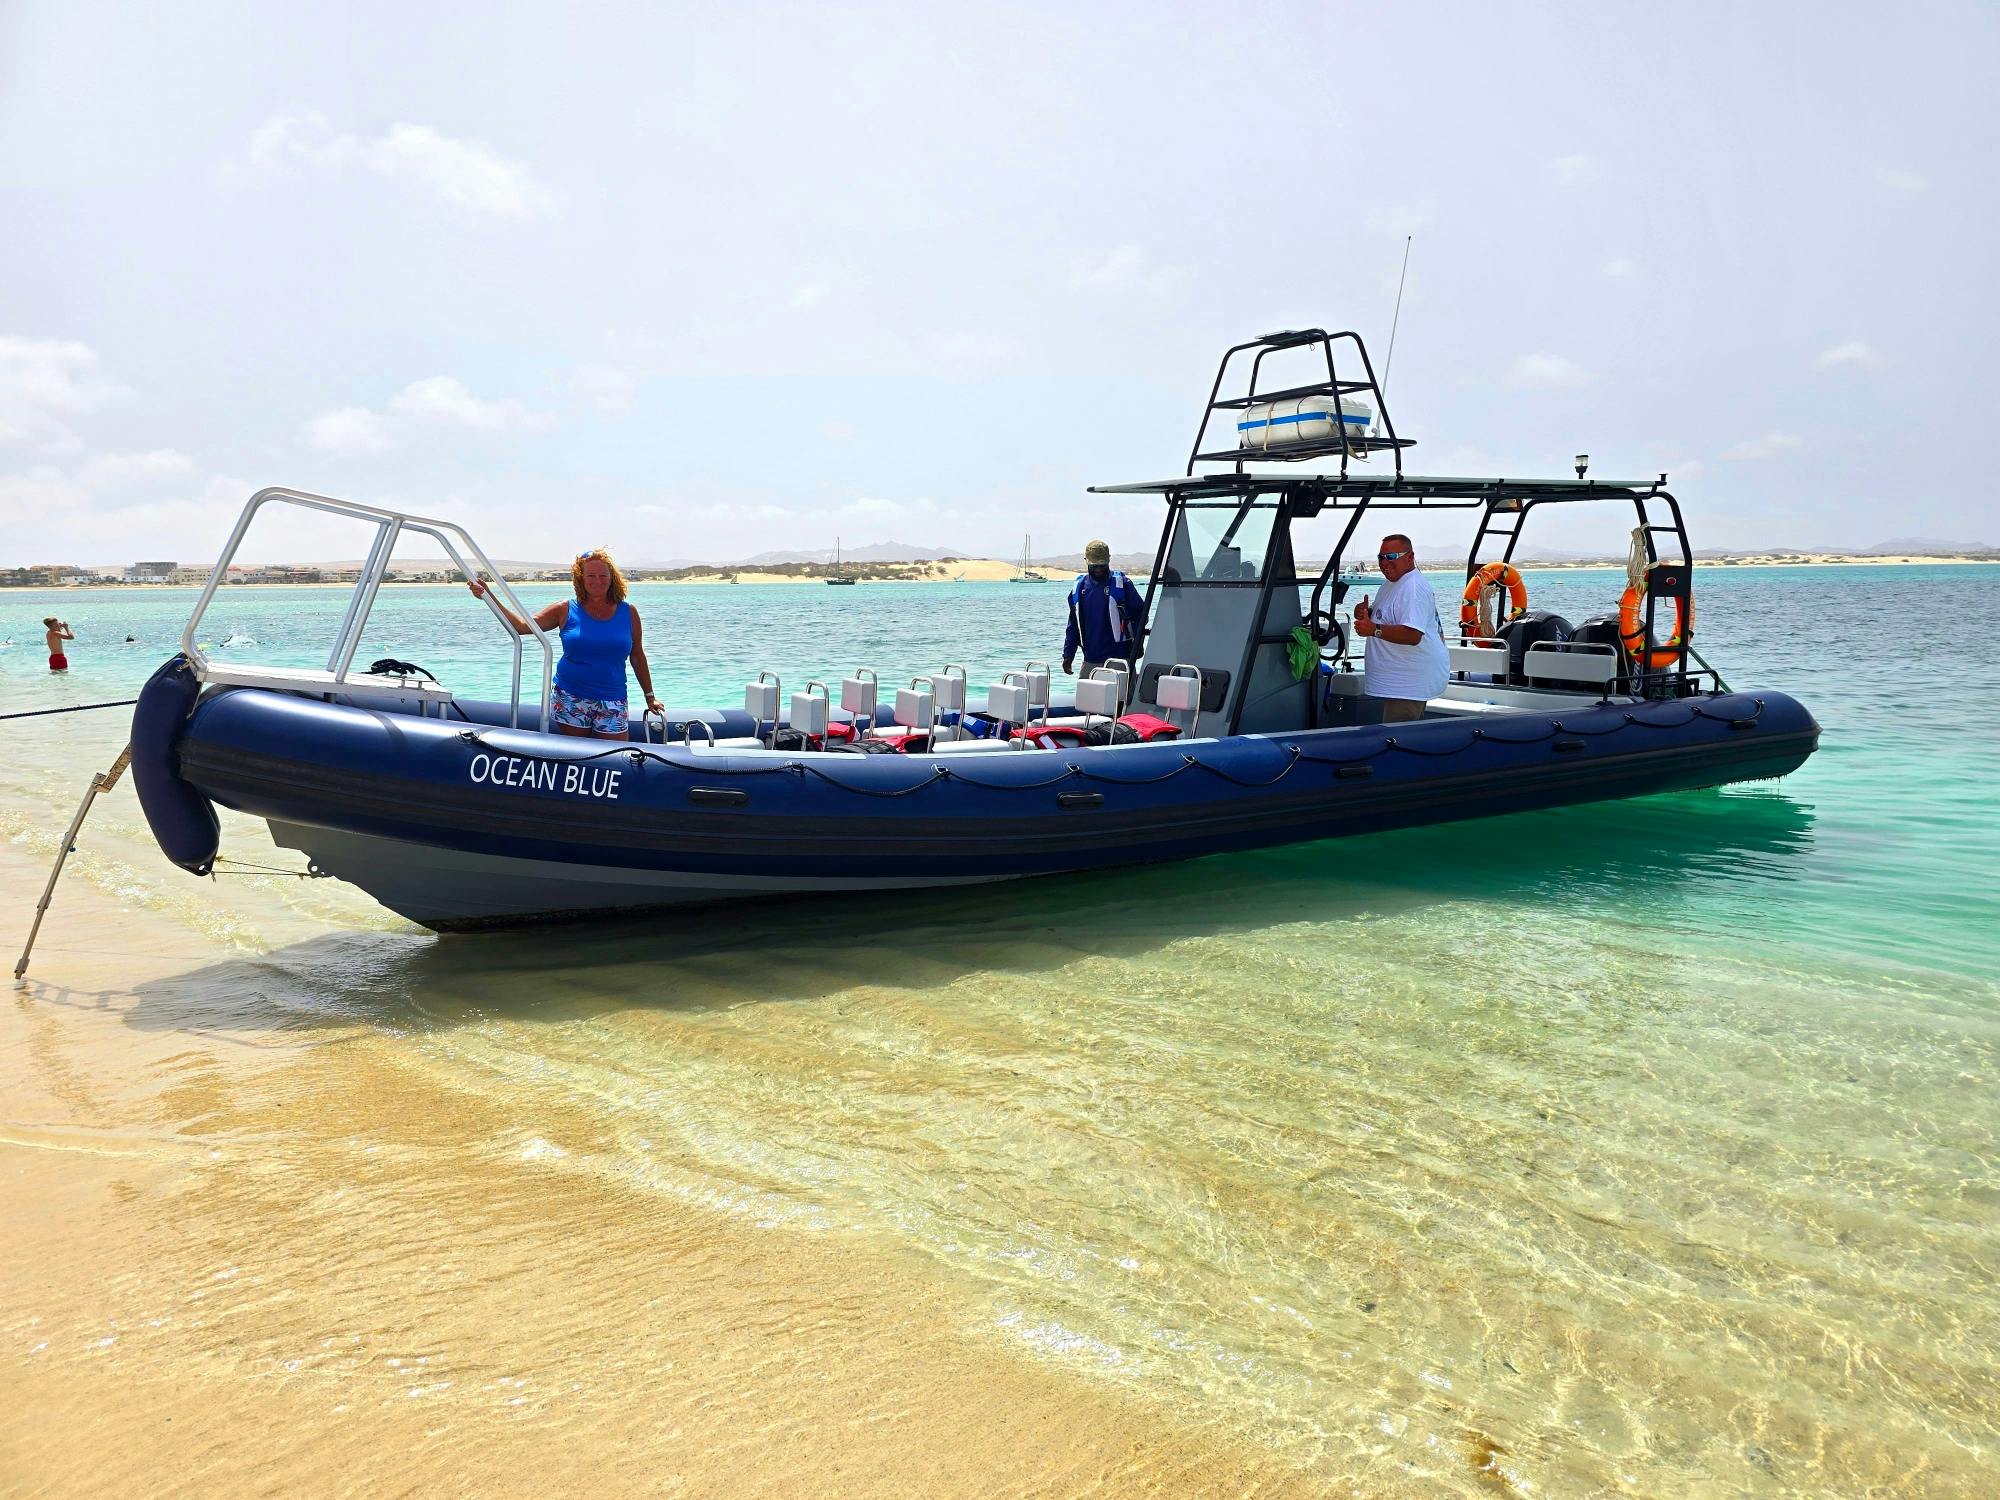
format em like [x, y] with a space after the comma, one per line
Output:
[1107, 614]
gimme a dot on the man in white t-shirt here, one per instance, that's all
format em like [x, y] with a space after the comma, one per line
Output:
[1407, 661]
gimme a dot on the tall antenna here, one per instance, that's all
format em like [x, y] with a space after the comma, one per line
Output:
[1390, 363]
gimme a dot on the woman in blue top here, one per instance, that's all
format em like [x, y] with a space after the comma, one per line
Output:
[599, 631]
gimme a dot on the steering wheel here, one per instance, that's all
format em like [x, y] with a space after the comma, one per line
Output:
[1329, 632]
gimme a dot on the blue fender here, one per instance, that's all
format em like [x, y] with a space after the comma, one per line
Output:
[182, 819]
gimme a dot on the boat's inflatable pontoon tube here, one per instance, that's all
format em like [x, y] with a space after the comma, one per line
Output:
[182, 819]
[453, 824]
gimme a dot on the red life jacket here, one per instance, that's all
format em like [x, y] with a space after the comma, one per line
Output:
[1144, 727]
[1054, 736]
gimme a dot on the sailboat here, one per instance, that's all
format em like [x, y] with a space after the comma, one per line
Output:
[838, 576]
[1026, 575]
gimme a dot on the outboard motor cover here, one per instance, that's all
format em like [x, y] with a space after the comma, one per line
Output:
[182, 819]
[1530, 629]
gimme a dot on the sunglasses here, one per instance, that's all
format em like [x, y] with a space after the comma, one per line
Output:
[1390, 556]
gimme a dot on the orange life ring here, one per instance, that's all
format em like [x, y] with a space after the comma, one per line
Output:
[1494, 572]
[1632, 629]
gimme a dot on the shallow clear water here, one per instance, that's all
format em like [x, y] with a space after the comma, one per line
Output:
[1643, 1148]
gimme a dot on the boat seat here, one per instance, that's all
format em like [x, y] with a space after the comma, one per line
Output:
[730, 745]
[1486, 661]
[1571, 661]
[858, 698]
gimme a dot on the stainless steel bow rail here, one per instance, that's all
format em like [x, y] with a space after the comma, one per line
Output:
[339, 676]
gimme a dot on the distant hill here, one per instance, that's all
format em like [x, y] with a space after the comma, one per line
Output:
[1925, 546]
[873, 552]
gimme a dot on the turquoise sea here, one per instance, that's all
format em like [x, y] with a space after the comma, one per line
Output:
[1648, 1148]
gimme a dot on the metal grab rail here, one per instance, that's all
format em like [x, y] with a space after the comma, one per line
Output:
[390, 525]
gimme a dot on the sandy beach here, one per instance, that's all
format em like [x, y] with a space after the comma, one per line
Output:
[250, 1253]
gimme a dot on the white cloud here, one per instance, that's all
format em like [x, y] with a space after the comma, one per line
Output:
[41, 490]
[359, 430]
[55, 374]
[1618, 268]
[43, 381]
[1770, 445]
[37, 431]
[809, 295]
[1854, 352]
[124, 470]
[1126, 268]
[443, 398]
[606, 387]
[1546, 372]
[1398, 219]
[966, 350]
[350, 430]
[1574, 171]
[118, 507]
[732, 514]
[1901, 182]
[469, 175]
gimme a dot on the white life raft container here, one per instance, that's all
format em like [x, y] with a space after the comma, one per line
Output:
[1302, 419]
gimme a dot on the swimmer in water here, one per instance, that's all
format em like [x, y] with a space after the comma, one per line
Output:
[58, 632]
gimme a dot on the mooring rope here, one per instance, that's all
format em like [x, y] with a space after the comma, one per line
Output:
[244, 867]
[36, 713]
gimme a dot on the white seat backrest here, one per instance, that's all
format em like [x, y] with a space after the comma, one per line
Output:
[1117, 672]
[760, 701]
[1587, 661]
[1008, 702]
[949, 690]
[1038, 687]
[1177, 693]
[809, 714]
[1098, 695]
[857, 696]
[915, 708]
[1491, 658]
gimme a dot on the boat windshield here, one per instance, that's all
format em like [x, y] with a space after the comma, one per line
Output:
[1222, 541]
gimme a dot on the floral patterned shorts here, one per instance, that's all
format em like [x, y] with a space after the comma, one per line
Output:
[598, 715]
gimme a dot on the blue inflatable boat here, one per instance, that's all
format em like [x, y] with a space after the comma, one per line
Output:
[1243, 724]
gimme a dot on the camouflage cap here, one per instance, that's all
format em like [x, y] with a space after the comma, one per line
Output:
[1096, 552]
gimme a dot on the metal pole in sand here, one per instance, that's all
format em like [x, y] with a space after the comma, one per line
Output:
[103, 781]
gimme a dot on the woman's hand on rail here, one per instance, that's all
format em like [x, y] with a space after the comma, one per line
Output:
[480, 591]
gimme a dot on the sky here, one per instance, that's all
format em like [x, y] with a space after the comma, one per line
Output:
[698, 281]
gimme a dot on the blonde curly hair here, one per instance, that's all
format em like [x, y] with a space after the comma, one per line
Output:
[600, 554]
